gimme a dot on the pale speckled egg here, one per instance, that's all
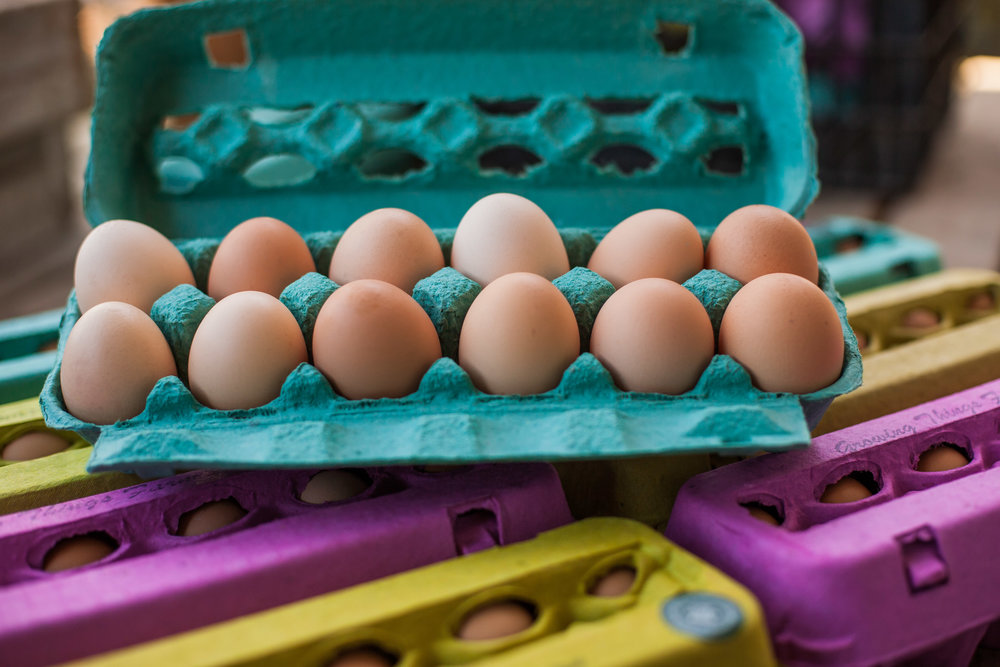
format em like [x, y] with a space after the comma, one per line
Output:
[243, 351]
[388, 244]
[757, 240]
[372, 340]
[504, 233]
[652, 244]
[114, 356]
[127, 261]
[260, 255]
[653, 336]
[519, 336]
[785, 332]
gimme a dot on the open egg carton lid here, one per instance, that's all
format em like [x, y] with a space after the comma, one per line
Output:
[318, 112]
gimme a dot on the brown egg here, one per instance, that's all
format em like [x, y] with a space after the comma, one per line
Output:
[981, 303]
[210, 516]
[757, 240]
[941, 458]
[78, 551]
[243, 351]
[652, 244]
[495, 620]
[261, 255]
[921, 318]
[372, 340]
[653, 336]
[113, 357]
[331, 486]
[127, 261]
[363, 656]
[33, 445]
[614, 583]
[389, 244]
[504, 233]
[846, 490]
[785, 332]
[519, 336]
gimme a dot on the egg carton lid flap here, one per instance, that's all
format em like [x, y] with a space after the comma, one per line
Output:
[317, 112]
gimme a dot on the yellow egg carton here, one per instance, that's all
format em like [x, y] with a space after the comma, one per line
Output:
[51, 479]
[678, 611]
[920, 340]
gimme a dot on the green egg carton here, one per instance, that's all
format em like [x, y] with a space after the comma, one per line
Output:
[25, 359]
[318, 112]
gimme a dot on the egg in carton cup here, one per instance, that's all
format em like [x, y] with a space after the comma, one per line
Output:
[240, 123]
[597, 592]
[921, 339]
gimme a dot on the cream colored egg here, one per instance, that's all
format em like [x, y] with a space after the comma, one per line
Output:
[388, 244]
[243, 351]
[519, 336]
[785, 332]
[653, 336]
[505, 233]
[127, 261]
[372, 340]
[756, 240]
[261, 255]
[652, 244]
[114, 356]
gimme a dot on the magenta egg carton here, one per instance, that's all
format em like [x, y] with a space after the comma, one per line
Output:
[907, 573]
[155, 582]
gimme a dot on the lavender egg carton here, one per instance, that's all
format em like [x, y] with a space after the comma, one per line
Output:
[447, 420]
[906, 575]
[157, 582]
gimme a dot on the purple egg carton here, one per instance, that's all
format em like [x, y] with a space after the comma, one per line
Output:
[909, 575]
[157, 583]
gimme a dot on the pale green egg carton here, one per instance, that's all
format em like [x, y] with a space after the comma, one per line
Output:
[317, 112]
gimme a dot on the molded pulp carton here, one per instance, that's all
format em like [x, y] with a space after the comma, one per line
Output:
[907, 574]
[320, 115]
[25, 359]
[921, 339]
[157, 582]
[679, 611]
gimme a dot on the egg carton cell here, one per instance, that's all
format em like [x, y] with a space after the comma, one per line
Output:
[600, 592]
[204, 547]
[889, 522]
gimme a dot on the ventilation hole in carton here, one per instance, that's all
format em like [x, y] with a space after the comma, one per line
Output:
[365, 655]
[766, 513]
[903, 271]
[78, 551]
[851, 488]
[673, 38]
[496, 620]
[499, 107]
[33, 445]
[942, 456]
[726, 161]
[178, 175]
[920, 319]
[210, 517]
[613, 583]
[392, 164]
[272, 116]
[624, 158]
[475, 530]
[508, 159]
[179, 122]
[228, 49]
[722, 107]
[48, 346]
[279, 171]
[331, 486]
[981, 303]
[620, 106]
[392, 112]
[848, 244]
[862, 339]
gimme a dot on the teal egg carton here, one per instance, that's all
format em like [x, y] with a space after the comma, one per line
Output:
[318, 112]
[25, 360]
[861, 254]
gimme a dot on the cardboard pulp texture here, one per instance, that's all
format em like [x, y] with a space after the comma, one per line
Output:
[906, 573]
[921, 339]
[157, 582]
[51, 479]
[679, 611]
[320, 115]
[862, 255]
[25, 354]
